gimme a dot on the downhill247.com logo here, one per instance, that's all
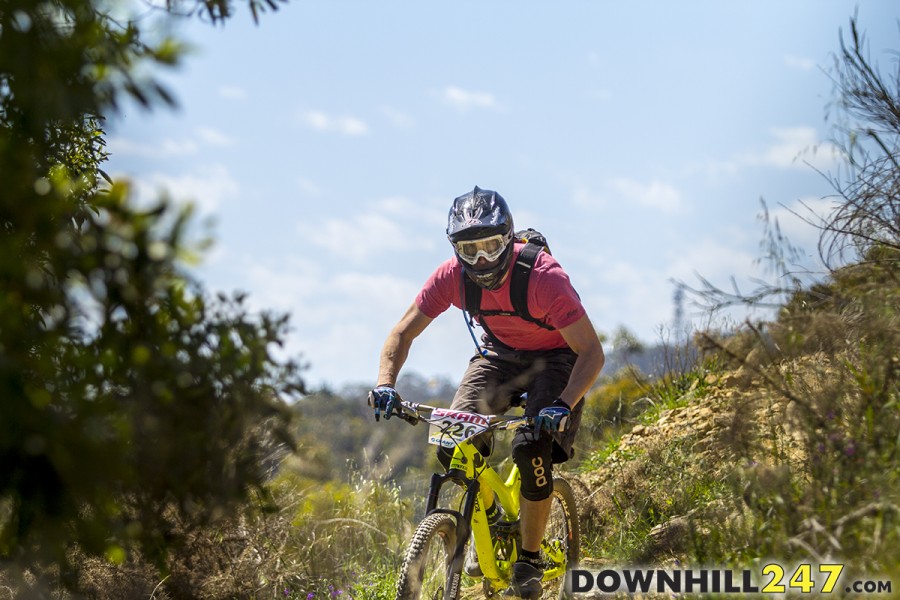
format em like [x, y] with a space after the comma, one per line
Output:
[772, 579]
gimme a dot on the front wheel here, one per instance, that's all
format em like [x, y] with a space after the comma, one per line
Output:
[426, 570]
[561, 546]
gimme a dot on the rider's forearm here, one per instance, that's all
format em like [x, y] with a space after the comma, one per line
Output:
[585, 371]
[393, 356]
[399, 341]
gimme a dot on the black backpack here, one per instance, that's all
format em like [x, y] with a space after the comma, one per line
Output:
[535, 243]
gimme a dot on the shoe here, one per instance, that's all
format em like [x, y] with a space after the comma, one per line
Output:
[526, 581]
[471, 566]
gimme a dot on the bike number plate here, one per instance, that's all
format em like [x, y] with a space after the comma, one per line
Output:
[448, 428]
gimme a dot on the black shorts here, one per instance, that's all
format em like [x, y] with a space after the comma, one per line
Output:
[491, 382]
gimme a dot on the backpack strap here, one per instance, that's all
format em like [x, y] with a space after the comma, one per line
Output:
[471, 295]
[521, 275]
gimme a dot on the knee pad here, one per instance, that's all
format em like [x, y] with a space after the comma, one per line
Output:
[533, 456]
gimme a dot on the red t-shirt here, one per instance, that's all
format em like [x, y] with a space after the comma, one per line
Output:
[551, 298]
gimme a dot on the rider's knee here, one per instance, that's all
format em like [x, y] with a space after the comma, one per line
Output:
[533, 456]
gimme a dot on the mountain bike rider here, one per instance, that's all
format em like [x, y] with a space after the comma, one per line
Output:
[556, 363]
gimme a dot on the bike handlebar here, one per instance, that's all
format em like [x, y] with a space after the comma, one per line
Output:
[412, 412]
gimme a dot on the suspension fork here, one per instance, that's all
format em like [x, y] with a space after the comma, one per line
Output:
[461, 472]
[463, 521]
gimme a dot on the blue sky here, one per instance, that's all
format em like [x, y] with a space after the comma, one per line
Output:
[327, 143]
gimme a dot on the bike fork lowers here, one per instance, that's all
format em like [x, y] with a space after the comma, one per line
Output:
[463, 520]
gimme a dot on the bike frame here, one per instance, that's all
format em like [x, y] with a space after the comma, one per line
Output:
[469, 469]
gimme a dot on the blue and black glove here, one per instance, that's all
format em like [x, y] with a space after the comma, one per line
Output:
[383, 398]
[553, 418]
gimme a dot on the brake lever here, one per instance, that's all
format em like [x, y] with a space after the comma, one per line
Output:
[411, 419]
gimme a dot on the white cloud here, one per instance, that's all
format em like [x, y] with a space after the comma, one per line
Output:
[792, 142]
[465, 99]
[291, 282]
[711, 258]
[654, 194]
[214, 137]
[232, 92]
[373, 286]
[715, 168]
[398, 117]
[623, 293]
[340, 237]
[207, 188]
[793, 148]
[798, 220]
[394, 226]
[799, 62]
[308, 186]
[584, 196]
[741, 268]
[325, 123]
[428, 214]
[719, 261]
[339, 319]
[798, 147]
[637, 290]
[168, 148]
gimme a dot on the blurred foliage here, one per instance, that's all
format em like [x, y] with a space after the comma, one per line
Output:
[323, 540]
[132, 401]
[866, 120]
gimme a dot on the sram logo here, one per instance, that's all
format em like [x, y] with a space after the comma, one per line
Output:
[460, 416]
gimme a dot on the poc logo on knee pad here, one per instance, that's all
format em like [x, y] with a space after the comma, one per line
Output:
[540, 474]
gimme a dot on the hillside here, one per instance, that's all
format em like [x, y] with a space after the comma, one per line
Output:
[671, 475]
[783, 447]
[777, 441]
[745, 456]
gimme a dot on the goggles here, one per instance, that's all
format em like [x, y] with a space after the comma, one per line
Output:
[489, 248]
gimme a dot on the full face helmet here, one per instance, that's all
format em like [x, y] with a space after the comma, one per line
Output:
[480, 227]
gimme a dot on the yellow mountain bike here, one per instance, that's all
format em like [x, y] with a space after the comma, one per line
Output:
[433, 565]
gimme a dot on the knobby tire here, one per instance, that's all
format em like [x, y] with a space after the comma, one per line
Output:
[426, 568]
[563, 528]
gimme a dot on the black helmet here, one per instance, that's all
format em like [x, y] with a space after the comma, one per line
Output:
[480, 226]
